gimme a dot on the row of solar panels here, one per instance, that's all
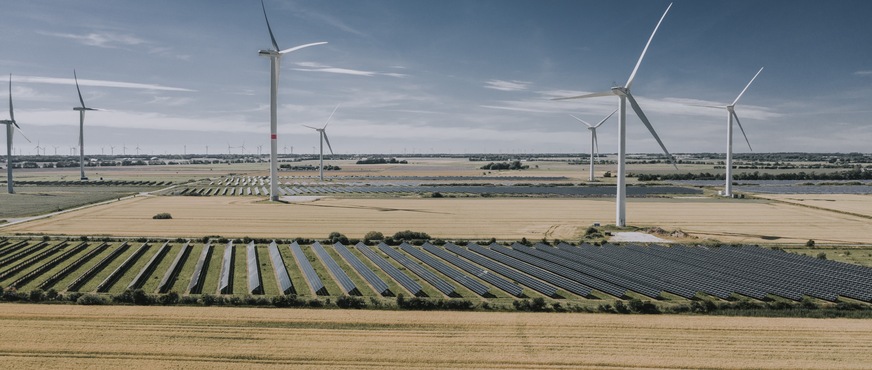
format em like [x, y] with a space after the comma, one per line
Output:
[645, 270]
[516, 190]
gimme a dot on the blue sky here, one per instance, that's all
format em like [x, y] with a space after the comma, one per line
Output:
[437, 76]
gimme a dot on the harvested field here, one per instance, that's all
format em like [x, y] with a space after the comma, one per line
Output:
[858, 204]
[746, 221]
[52, 336]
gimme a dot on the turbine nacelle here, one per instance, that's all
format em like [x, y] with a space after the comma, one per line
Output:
[620, 91]
[268, 53]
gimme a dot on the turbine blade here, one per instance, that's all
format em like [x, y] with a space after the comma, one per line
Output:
[324, 133]
[314, 128]
[708, 106]
[647, 123]
[295, 48]
[747, 86]
[604, 119]
[11, 111]
[273, 38]
[581, 120]
[331, 116]
[645, 50]
[22, 133]
[77, 88]
[742, 129]
[593, 95]
[595, 143]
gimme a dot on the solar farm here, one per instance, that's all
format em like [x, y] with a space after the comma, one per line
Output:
[584, 274]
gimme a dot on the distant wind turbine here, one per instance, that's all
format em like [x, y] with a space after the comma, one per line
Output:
[112, 149]
[56, 149]
[275, 56]
[323, 133]
[11, 126]
[623, 93]
[594, 146]
[137, 149]
[123, 148]
[731, 114]
[81, 110]
[37, 147]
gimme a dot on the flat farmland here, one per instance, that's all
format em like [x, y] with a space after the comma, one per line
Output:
[746, 221]
[69, 336]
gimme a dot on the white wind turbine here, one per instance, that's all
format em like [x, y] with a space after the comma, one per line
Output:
[323, 133]
[731, 114]
[275, 57]
[81, 110]
[594, 146]
[11, 126]
[623, 93]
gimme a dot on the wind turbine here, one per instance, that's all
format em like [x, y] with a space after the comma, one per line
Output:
[242, 148]
[112, 149]
[323, 133]
[11, 126]
[623, 93]
[137, 149]
[123, 148]
[81, 110]
[731, 114]
[56, 149]
[37, 147]
[275, 57]
[594, 146]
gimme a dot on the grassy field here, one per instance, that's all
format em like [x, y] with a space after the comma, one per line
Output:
[743, 221]
[52, 336]
[36, 200]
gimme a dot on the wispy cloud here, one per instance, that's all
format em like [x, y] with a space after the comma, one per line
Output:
[317, 67]
[101, 39]
[100, 83]
[502, 85]
[863, 73]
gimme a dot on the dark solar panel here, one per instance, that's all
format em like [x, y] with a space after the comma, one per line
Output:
[376, 282]
[474, 270]
[255, 284]
[283, 280]
[173, 271]
[427, 275]
[401, 278]
[338, 273]
[308, 271]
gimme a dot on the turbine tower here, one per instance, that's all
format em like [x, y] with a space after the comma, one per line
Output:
[11, 126]
[275, 57]
[623, 93]
[81, 110]
[594, 146]
[731, 114]
[323, 133]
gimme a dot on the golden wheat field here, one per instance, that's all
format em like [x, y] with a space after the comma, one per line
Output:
[749, 221]
[55, 336]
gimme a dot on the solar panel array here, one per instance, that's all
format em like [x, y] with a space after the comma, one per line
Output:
[255, 284]
[590, 271]
[374, 281]
[338, 273]
[107, 283]
[451, 273]
[149, 267]
[401, 278]
[504, 270]
[172, 273]
[225, 280]
[308, 271]
[476, 271]
[282, 278]
[199, 275]
[427, 275]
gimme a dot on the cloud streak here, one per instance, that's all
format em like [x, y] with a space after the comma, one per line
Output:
[503, 85]
[99, 83]
[317, 67]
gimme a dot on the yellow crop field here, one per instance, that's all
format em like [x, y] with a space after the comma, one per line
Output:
[748, 221]
[53, 336]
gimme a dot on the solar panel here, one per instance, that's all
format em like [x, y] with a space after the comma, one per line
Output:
[461, 278]
[64, 272]
[48, 265]
[225, 279]
[476, 271]
[110, 280]
[401, 278]
[199, 275]
[282, 278]
[515, 275]
[172, 273]
[255, 284]
[149, 267]
[376, 282]
[337, 272]
[308, 271]
[21, 253]
[31, 261]
[429, 277]
[549, 272]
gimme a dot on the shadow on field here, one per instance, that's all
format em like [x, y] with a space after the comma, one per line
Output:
[380, 209]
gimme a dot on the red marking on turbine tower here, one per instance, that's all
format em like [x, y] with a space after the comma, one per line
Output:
[273, 136]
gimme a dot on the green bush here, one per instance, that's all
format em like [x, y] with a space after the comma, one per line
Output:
[91, 299]
[162, 216]
[350, 302]
[410, 235]
[374, 235]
